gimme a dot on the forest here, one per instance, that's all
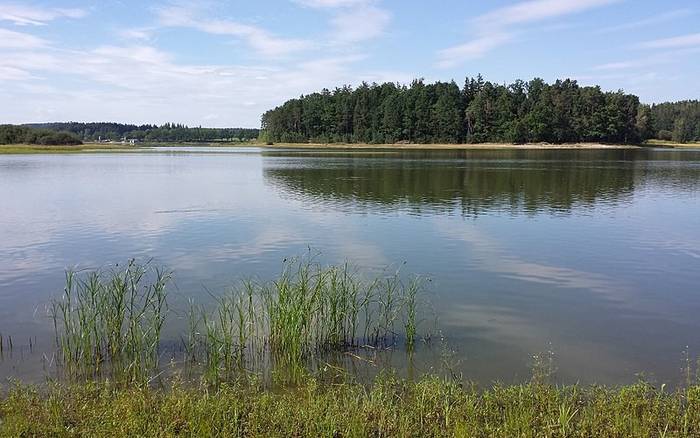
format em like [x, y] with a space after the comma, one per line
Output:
[169, 132]
[13, 134]
[479, 112]
[677, 121]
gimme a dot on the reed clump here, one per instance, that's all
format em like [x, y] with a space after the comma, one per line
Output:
[310, 310]
[109, 322]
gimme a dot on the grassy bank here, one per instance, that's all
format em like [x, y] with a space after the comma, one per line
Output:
[388, 407]
[60, 149]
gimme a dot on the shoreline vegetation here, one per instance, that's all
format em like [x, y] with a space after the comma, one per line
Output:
[108, 332]
[430, 406]
[562, 112]
[120, 147]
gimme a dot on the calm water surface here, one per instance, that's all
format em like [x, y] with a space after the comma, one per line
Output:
[592, 254]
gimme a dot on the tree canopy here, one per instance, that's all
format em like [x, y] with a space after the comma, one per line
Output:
[677, 121]
[151, 133]
[480, 111]
[13, 134]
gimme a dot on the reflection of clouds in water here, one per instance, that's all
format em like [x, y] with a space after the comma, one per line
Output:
[268, 239]
[508, 331]
[114, 201]
[492, 257]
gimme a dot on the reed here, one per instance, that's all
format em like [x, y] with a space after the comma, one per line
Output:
[110, 322]
[309, 312]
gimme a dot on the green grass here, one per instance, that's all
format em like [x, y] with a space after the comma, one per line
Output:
[389, 406]
[60, 149]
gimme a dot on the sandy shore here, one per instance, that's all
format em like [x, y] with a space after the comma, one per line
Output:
[449, 146]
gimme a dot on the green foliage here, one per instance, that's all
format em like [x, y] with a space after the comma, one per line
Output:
[13, 134]
[442, 113]
[293, 323]
[677, 121]
[109, 323]
[390, 406]
[168, 132]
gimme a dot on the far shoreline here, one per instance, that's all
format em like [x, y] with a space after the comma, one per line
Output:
[90, 147]
[446, 146]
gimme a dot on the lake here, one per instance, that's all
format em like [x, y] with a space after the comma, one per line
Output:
[591, 254]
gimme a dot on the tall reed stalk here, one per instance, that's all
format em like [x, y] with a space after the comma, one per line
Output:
[308, 312]
[110, 322]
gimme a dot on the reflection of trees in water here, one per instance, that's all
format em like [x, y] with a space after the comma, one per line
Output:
[474, 182]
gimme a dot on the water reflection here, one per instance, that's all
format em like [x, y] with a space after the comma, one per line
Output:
[592, 252]
[476, 182]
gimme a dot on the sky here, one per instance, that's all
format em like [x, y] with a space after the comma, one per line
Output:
[223, 63]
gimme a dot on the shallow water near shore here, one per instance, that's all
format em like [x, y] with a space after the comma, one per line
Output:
[593, 254]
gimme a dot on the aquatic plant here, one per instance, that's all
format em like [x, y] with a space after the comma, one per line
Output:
[111, 321]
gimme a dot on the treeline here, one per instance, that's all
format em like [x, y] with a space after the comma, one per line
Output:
[677, 121]
[170, 132]
[480, 111]
[13, 134]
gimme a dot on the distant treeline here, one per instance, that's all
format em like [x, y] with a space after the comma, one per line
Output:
[151, 133]
[480, 111]
[677, 121]
[13, 134]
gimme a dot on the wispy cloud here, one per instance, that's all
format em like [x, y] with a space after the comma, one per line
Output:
[500, 26]
[331, 3]
[136, 33]
[22, 14]
[670, 58]
[683, 41]
[263, 42]
[360, 24]
[354, 20]
[10, 39]
[645, 22]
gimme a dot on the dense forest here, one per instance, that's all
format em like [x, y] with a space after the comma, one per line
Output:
[677, 121]
[13, 134]
[150, 133]
[479, 112]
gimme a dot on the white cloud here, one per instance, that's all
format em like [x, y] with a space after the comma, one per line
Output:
[684, 41]
[668, 58]
[499, 26]
[32, 15]
[537, 10]
[475, 48]
[656, 19]
[140, 83]
[136, 34]
[363, 23]
[10, 39]
[330, 3]
[259, 39]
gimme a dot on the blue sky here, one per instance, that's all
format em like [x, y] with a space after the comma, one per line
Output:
[223, 63]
